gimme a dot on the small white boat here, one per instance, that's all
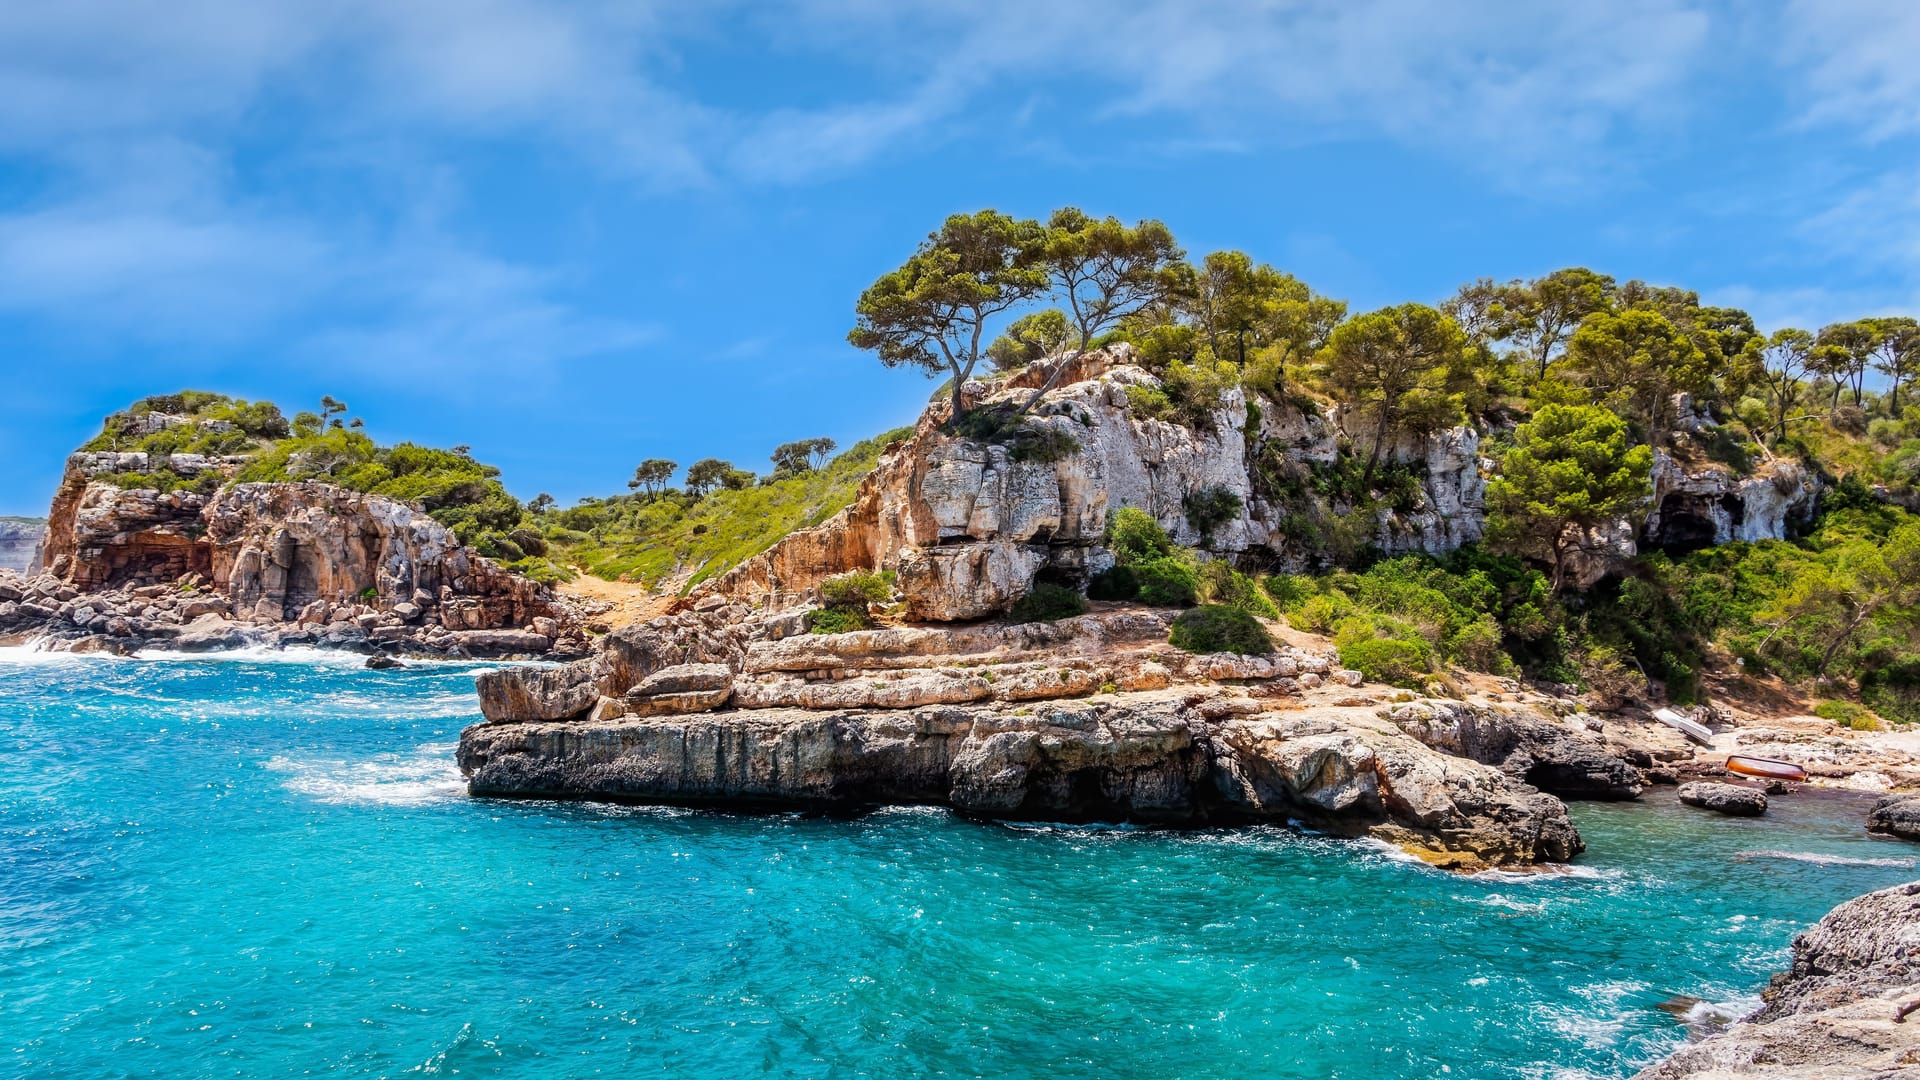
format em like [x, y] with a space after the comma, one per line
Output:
[1692, 729]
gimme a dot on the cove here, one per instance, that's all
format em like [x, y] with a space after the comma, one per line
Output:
[267, 865]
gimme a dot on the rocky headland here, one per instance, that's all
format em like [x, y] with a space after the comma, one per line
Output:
[1844, 1010]
[729, 701]
[225, 565]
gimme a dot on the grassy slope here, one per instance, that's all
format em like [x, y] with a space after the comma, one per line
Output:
[678, 540]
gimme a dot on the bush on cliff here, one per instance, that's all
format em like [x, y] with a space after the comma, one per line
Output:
[1046, 602]
[848, 599]
[1389, 660]
[1114, 583]
[688, 539]
[1216, 628]
[1220, 583]
[1133, 536]
[1170, 581]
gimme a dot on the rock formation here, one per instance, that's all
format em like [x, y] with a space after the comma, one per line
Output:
[1730, 799]
[1896, 815]
[969, 524]
[283, 562]
[1088, 718]
[1845, 1009]
[1524, 745]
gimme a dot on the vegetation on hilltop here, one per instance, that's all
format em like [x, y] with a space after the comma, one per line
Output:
[1574, 381]
[687, 535]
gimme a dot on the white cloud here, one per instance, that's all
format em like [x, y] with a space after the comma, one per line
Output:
[1858, 62]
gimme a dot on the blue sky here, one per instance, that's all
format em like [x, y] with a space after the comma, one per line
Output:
[577, 235]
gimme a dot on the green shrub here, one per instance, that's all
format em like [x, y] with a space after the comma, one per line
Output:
[1387, 660]
[836, 621]
[1134, 537]
[529, 541]
[1287, 591]
[1149, 402]
[1114, 583]
[1046, 602]
[1317, 614]
[1217, 628]
[1167, 582]
[857, 589]
[1209, 508]
[1222, 584]
[1025, 440]
[1848, 714]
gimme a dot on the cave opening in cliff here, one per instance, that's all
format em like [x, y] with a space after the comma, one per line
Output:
[1686, 524]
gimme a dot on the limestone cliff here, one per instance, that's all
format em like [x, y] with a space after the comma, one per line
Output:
[356, 568]
[968, 524]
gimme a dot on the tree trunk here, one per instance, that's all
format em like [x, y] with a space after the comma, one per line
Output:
[1373, 459]
[959, 406]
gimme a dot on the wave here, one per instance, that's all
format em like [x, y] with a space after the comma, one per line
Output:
[426, 775]
[1819, 858]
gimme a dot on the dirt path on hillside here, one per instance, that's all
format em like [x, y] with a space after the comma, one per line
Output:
[629, 603]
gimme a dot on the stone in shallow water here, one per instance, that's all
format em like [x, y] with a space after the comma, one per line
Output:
[1730, 799]
[1896, 815]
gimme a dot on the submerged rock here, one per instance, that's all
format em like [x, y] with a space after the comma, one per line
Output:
[1730, 799]
[1840, 1012]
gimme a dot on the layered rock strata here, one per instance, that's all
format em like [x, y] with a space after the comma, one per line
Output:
[1169, 757]
[20, 545]
[1847, 1009]
[1089, 718]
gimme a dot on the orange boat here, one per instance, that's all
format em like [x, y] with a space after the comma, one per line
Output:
[1765, 768]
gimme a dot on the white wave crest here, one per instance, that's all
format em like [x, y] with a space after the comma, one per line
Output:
[1818, 858]
[426, 775]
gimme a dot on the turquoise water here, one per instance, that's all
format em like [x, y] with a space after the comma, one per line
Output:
[266, 868]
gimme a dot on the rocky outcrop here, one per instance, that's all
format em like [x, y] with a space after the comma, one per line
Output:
[1896, 815]
[1523, 745]
[288, 562]
[20, 544]
[968, 524]
[1730, 799]
[1168, 757]
[1694, 506]
[1844, 1010]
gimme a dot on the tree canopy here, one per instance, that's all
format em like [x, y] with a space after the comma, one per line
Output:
[1571, 472]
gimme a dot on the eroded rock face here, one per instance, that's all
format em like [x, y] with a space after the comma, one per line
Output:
[967, 527]
[20, 545]
[1698, 506]
[1525, 746]
[324, 564]
[1832, 1014]
[1156, 757]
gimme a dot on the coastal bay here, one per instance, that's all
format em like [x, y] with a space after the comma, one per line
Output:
[266, 863]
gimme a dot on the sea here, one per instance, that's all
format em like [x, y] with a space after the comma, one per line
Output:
[266, 865]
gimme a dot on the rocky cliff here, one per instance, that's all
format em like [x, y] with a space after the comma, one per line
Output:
[20, 544]
[968, 524]
[1845, 1010]
[286, 562]
[1088, 718]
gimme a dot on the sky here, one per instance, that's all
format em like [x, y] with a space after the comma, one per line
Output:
[576, 235]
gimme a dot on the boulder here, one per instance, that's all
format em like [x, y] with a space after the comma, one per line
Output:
[537, 694]
[1730, 799]
[1524, 745]
[1896, 815]
[683, 678]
